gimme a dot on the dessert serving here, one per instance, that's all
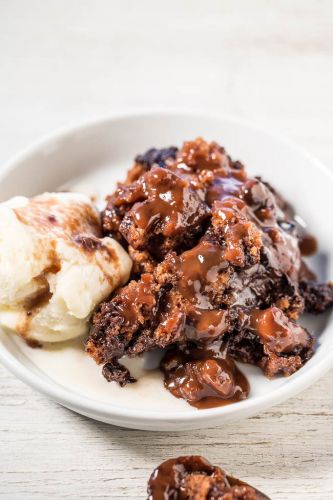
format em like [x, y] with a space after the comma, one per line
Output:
[217, 276]
[190, 257]
[194, 478]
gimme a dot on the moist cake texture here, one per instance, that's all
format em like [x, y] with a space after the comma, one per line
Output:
[194, 478]
[217, 275]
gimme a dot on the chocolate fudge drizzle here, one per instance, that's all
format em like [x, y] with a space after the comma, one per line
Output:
[204, 377]
[217, 275]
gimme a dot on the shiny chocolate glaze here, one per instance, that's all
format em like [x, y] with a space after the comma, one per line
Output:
[204, 376]
[217, 258]
[195, 478]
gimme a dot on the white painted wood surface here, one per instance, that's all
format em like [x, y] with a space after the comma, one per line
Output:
[65, 60]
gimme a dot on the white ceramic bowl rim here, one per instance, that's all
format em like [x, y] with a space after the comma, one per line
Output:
[87, 405]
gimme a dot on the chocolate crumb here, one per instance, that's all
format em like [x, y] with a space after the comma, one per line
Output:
[116, 372]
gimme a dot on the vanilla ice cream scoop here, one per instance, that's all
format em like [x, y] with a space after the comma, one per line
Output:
[55, 266]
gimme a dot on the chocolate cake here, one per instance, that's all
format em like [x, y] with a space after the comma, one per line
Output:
[194, 478]
[217, 275]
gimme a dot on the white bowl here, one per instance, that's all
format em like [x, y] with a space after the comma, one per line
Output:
[100, 152]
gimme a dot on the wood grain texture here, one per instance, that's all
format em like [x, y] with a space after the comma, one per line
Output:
[48, 451]
[65, 60]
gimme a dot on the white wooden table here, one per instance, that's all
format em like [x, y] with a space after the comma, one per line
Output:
[65, 60]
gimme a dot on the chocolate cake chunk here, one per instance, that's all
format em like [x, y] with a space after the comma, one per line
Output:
[199, 155]
[125, 324]
[272, 341]
[143, 262]
[169, 216]
[217, 262]
[158, 213]
[116, 372]
[136, 320]
[195, 478]
[318, 296]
